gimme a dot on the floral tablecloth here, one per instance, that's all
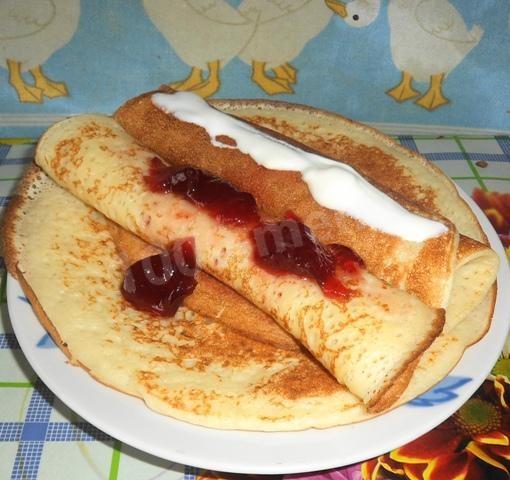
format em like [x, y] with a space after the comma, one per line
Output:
[40, 438]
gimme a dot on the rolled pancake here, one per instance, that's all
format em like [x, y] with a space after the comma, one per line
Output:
[396, 169]
[190, 367]
[69, 260]
[442, 356]
[440, 271]
[434, 363]
[366, 342]
[409, 174]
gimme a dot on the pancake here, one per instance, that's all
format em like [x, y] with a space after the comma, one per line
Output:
[396, 169]
[444, 272]
[302, 384]
[442, 356]
[409, 174]
[70, 260]
[436, 361]
[406, 264]
[211, 298]
[190, 367]
[97, 161]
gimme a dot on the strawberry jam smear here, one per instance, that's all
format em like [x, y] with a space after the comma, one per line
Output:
[158, 284]
[284, 247]
[220, 199]
[289, 246]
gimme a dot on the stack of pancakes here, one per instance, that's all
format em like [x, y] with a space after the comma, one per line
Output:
[221, 361]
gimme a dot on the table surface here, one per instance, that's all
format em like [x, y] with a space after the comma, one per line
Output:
[40, 438]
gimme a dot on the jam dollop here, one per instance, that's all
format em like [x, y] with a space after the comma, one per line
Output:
[219, 198]
[289, 246]
[158, 284]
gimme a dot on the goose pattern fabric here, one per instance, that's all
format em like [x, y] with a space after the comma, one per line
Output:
[396, 62]
[30, 33]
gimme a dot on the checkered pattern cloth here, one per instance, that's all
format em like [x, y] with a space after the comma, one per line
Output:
[40, 438]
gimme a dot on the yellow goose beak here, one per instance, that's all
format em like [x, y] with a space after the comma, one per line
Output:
[338, 7]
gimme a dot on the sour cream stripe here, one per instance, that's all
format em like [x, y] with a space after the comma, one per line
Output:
[332, 184]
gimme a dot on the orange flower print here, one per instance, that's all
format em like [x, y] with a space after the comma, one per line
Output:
[473, 444]
[497, 208]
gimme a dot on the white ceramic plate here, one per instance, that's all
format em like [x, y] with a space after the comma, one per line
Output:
[129, 420]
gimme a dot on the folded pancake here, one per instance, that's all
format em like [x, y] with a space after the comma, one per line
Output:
[70, 259]
[213, 299]
[442, 271]
[366, 341]
[442, 356]
[409, 174]
[397, 169]
[190, 367]
[182, 139]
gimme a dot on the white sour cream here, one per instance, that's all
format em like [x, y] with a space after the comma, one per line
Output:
[332, 184]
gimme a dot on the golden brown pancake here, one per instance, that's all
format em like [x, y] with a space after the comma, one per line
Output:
[193, 368]
[293, 387]
[396, 169]
[212, 298]
[189, 367]
[278, 192]
[366, 341]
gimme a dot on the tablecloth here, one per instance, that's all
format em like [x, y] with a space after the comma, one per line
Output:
[40, 438]
[408, 67]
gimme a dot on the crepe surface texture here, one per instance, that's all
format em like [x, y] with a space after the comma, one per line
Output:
[190, 367]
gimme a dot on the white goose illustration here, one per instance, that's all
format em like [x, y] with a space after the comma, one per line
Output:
[267, 34]
[429, 38]
[30, 32]
[205, 34]
[284, 27]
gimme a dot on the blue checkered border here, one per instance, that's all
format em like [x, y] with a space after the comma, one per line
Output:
[36, 430]
[503, 142]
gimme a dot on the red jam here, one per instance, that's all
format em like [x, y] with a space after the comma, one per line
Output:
[284, 247]
[220, 199]
[290, 247]
[159, 284]
[348, 262]
[346, 259]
